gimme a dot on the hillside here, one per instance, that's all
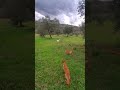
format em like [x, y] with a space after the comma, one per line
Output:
[39, 24]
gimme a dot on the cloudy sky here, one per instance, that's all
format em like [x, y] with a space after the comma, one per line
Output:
[64, 10]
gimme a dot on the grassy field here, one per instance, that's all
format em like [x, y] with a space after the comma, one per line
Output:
[16, 57]
[48, 63]
[105, 65]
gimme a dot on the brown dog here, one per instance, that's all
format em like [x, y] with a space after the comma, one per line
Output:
[69, 52]
[67, 72]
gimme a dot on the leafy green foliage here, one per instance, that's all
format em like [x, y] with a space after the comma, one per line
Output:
[47, 26]
[81, 8]
[68, 30]
[82, 28]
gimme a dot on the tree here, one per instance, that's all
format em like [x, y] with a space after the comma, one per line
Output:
[17, 11]
[81, 8]
[47, 26]
[99, 11]
[41, 28]
[68, 30]
[82, 28]
[116, 5]
[56, 26]
[52, 26]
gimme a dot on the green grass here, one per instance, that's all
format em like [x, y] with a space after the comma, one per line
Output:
[16, 60]
[48, 66]
[104, 73]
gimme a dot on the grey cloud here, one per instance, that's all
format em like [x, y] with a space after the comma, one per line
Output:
[64, 10]
[55, 7]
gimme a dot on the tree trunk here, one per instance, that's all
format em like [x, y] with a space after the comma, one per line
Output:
[14, 21]
[50, 34]
[21, 24]
[67, 35]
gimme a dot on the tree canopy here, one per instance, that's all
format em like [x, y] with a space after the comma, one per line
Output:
[81, 8]
[47, 26]
[17, 10]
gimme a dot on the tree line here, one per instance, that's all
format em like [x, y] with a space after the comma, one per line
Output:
[101, 11]
[48, 26]
[18, 11]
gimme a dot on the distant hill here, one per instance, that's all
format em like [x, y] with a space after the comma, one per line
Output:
[76, 29]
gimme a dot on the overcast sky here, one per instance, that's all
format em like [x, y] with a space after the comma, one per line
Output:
[64, 10]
